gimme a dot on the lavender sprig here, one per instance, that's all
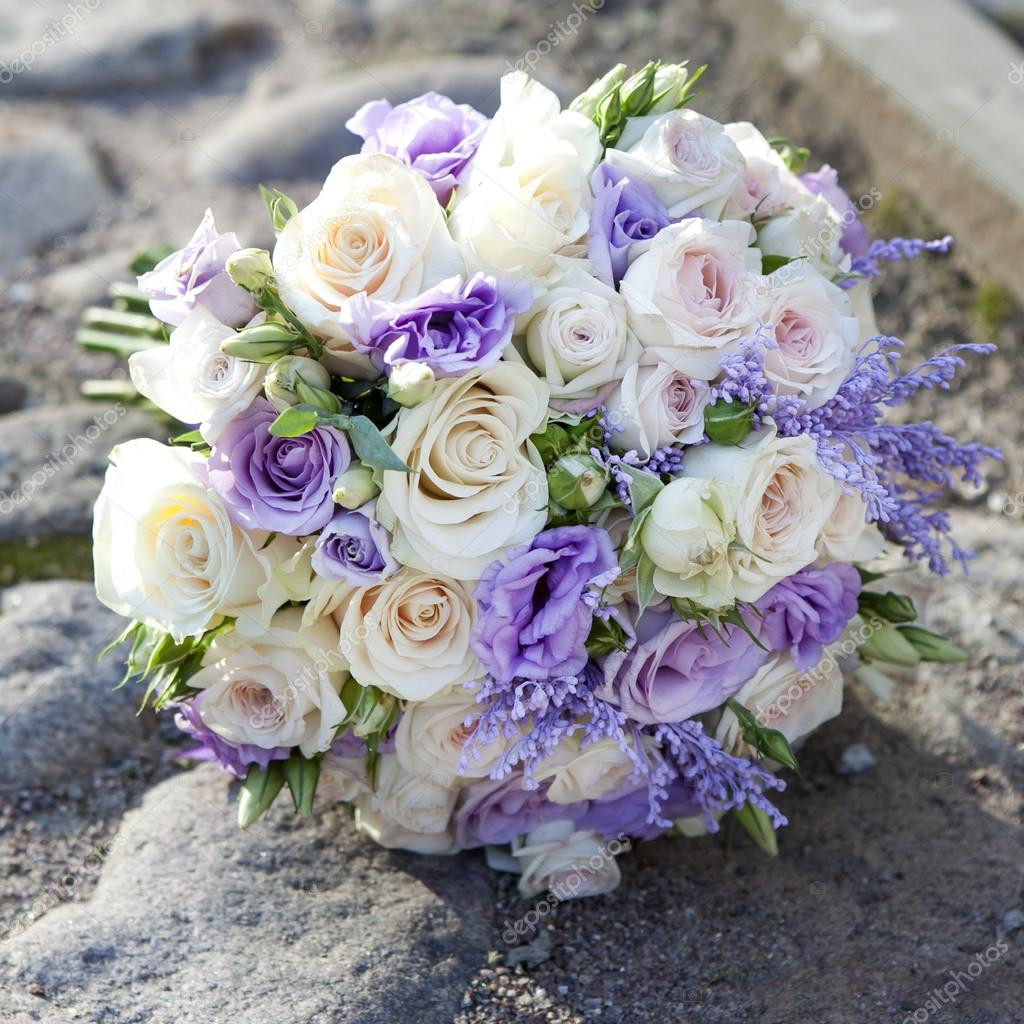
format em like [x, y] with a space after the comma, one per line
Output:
[896, 249]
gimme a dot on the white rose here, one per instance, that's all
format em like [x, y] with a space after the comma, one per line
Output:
[527, 192]
[167, 553]
[409, 635]
[432, 733]
[277, 689]
[687, 535]
[783, 698]
[783, 500]
[571, 864]
[816, 334]
[863, 307]
[767, 185]
[577, 339]
[405, 811]
[192, 380]
[343, 779]
[375, 228]
[477, 484]
[691, 293]
[810, 229]
[847, 536]
[655, 406]
[595, 772]
[687, 159]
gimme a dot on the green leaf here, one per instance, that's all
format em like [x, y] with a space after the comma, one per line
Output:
[371, 447]
[890, 606]
[758, 826]
[189, 437]
[146, 260]
[767, 742]
[258, 792]
[606, 635]
[771, 262]
[280, 208]
[643, 488]
[644, 583]
[795, 157]
[728, 422]
[932, 647]
[295, 421]
[302, 775]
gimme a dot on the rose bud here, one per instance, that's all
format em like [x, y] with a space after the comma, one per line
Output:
[262, 343]
[298, 380]
[355, 487]
[250, 269]
[577, 482]
[410, 382]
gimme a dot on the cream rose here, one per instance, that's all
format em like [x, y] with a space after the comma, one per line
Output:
[279, 688]
[767, 186]
[409, 635]
[783, 698]
[166, 551]
[783, 499]
[478, 484]
[688, 535]
[809, 229]
[692, 292]
[192, 380]
[432, 733]
[815, 333]
[571, 864]
[577, 339]
[655, 406]
[595, 772]
[527, 192]
[375, 228]
[847, 536]
[405, 811]
[687, 158]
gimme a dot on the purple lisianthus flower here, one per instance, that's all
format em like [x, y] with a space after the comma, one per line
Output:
[493, 812]
[676, 670]
[630, 813]
[825, 182]
[354, 547]
[454, 327]
[195, 276]
[625, 212]
[534, 608]
[281, 484]
[808, 610]
[236, 758]
[431, 134]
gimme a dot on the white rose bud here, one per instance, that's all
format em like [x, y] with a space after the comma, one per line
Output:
[355, 487]
[571, 864]
[250, 269]
[687, 535]
[410, 383]
[284, 376]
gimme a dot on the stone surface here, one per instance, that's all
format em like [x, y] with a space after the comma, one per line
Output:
[12, 395]
[855, 760]
[50, 185]
[86, 283]
[291, 922]
[52, 463]
[301, 135]
[56, 47]
[60, 715]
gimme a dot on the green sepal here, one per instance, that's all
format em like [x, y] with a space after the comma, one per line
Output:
[758, 826]
[280, 208]
[728, 422]
[606, 635]
[258, 792]
[302, 774]
[766, 741]
[295, 421]
[645, 570]
[793, 156]
[889, 606]
[770, 262]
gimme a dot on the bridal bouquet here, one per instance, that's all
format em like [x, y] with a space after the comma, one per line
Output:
[529, 482]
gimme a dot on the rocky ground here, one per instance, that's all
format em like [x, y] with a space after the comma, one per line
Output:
[128, 896]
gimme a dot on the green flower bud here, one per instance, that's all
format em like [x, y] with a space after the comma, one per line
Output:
[669, 85]
[280, 208]
[287, 373]
[932, 647]
[587, 102]
[728, 422]
[355, 487]
[888, 644]
[262, 343]
[889, 606]
[577, 482]
[637, 92]
[250, 269]
[410, 382]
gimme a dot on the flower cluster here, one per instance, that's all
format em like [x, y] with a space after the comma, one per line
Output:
[526, 487]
